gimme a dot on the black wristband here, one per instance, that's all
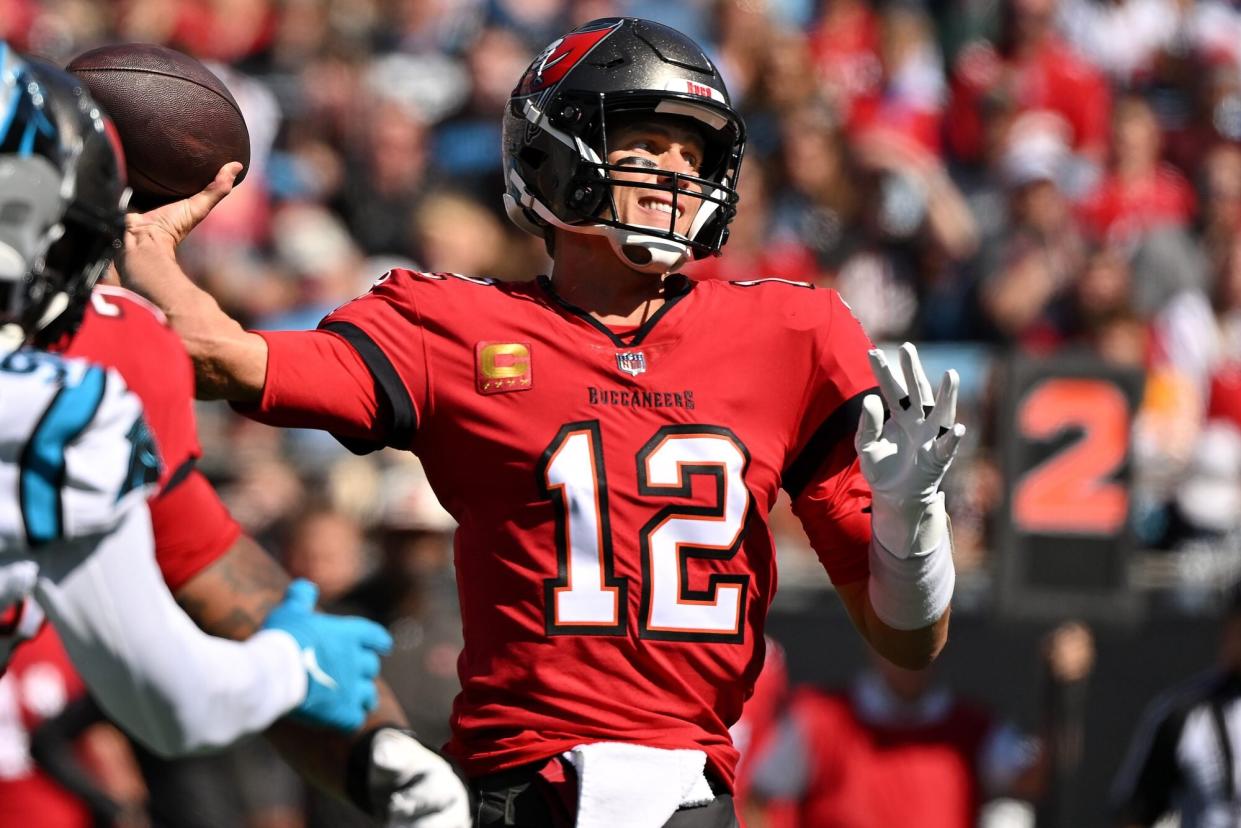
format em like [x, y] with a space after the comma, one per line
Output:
[357, 770]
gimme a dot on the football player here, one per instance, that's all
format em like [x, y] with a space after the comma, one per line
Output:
[611, 439]
[78, 456]
[227, 584]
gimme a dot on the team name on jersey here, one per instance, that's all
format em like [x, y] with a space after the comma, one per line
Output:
[630, 398]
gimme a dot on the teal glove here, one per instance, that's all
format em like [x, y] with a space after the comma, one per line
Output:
[340, 654]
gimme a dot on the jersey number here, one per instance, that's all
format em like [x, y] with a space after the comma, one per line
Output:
[587, 597]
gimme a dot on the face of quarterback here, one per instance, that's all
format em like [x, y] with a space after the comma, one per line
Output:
[664, 148]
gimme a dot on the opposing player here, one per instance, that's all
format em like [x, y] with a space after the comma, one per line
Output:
[79, 460]
[225, 581]
[611, 440]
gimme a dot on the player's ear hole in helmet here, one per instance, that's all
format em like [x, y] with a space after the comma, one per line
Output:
[62, 200]
[567, 104]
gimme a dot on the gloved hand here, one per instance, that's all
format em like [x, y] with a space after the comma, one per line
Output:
[905, 458]
[395, 778]
[340, 654]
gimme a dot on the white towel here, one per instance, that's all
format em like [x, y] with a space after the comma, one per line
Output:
[635, 785]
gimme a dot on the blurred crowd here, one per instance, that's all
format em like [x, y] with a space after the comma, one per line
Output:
[1001, 177]
[988, 178]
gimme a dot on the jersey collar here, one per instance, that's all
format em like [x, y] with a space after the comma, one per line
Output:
[676, 286]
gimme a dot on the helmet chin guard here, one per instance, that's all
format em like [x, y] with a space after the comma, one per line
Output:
[555, 140]
[646, 253]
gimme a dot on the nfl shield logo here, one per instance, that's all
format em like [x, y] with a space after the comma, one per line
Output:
[631, 362]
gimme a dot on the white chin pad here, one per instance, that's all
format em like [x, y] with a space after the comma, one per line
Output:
[647, 254]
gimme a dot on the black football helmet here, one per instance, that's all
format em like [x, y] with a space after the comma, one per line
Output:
[556, 127]
[62, 200]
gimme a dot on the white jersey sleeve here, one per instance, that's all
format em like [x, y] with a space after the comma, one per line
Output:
[73, 446]
[169, 684]
[76, 452]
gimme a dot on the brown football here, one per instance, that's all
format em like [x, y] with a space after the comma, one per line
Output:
[177, 122]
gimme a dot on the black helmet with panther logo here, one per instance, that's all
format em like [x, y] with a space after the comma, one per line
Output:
[62, 200]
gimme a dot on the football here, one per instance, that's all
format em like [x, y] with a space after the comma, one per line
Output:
[177, 122]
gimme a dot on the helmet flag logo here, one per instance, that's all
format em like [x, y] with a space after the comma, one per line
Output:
[558, 58]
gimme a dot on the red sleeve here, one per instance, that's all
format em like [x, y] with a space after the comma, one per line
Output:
[192, 529]
[835, 512]
[829, 494]
[159, 372]
[315, 379]
[361, 376]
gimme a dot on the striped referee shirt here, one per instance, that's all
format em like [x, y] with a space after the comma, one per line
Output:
[1184, 755]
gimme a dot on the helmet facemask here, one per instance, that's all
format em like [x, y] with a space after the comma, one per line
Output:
[556, 152]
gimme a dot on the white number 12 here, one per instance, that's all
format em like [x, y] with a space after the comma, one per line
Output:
[587, 597]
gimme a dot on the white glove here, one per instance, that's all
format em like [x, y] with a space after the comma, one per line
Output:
[420, 787]
[905, 458]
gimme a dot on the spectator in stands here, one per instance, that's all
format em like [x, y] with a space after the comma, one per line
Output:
[1124, 38]
[910, 95]
[1139, 192]
[466, 141]
[739, 43]
[819, 198]
[1183, 757]
[453, 233]
[319, 260]
[1219, 191]
[844, 43]
[880, 69]
[326, 546]
[385, 178]
[1037, 251]
[900, 748]
[1205, 342]
[1029, 67]
[919, 230]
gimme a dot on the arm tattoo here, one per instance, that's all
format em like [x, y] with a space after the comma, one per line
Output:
[231, 597]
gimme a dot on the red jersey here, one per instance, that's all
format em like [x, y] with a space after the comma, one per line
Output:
[613, 557]
[123, 331]
[37, 685]
[858, 774]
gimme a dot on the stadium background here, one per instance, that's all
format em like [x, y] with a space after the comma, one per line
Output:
[1044, 194]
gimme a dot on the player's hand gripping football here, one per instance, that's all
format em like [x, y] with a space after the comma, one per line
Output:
[170, 224]
[340, 656]
[905, 458]
[409, 786]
